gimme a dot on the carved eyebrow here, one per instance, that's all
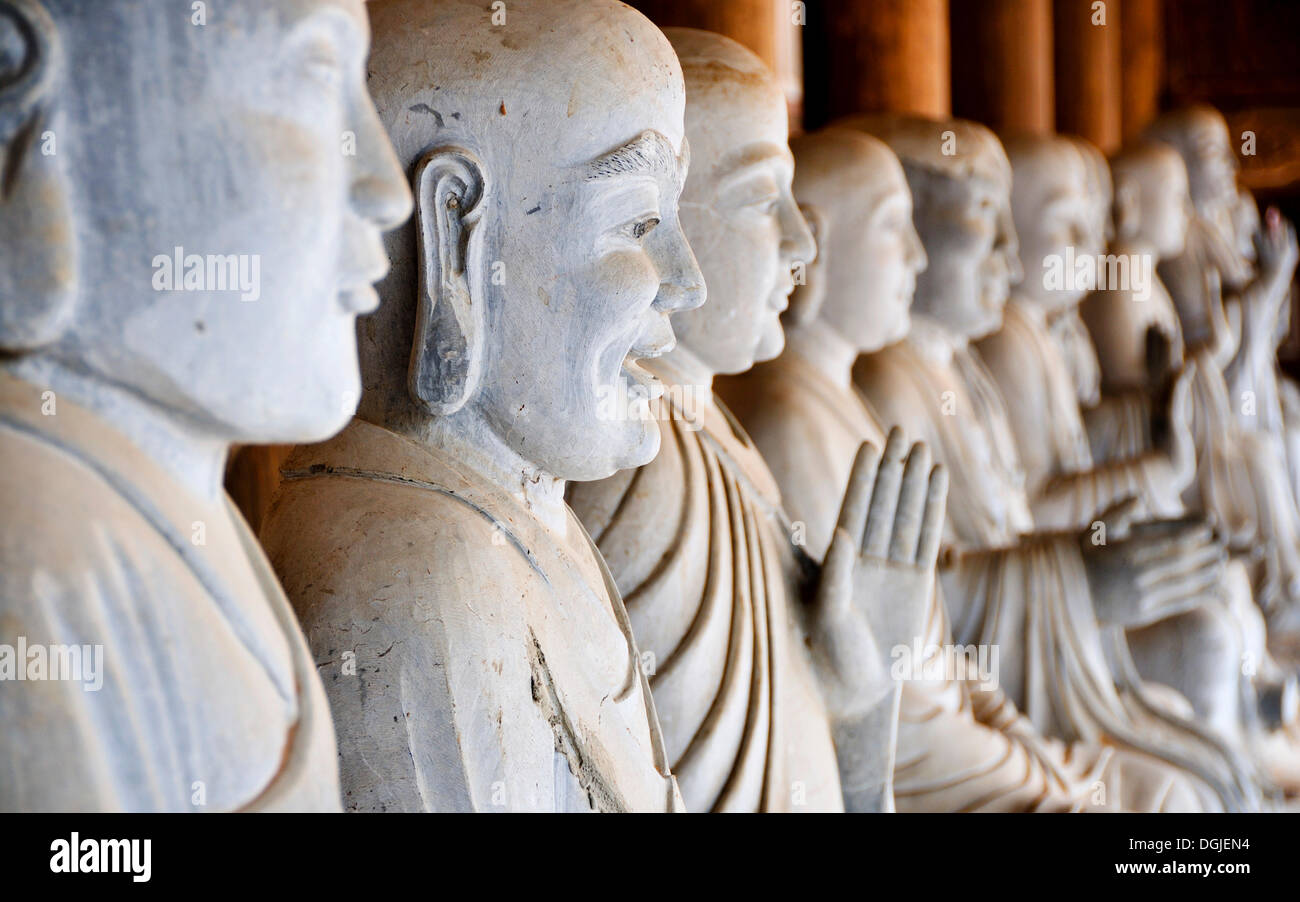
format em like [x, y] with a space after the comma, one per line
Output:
[649, 153]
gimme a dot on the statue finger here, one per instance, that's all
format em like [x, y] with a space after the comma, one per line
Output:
[911, 504]
[884, 500]
[857, 495]
[936, 503]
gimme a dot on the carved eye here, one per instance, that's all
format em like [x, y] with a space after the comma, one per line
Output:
[642, 227]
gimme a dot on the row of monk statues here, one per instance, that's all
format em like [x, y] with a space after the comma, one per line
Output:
[647, 459]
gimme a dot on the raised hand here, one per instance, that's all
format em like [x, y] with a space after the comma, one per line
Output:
[878, 573]
[1163, 568]
[1174, 432]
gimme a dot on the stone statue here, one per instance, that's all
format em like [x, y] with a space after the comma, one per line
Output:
[1055, 603]
[1059, 252]
[768, 702]
[475, 650]
[183, 682]
[1197, 651]
[961, 744]
[1229, 325]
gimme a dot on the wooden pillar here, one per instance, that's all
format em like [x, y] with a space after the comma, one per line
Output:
[1142, 63]
[252, 476]
[770, 28]
[1088, 101]
[1002, 71]
[877, 56]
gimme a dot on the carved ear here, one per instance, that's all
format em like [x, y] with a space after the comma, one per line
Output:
[447, 354]
[38, 272]
[807, 297]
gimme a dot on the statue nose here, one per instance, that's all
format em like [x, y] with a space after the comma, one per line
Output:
[681, 285]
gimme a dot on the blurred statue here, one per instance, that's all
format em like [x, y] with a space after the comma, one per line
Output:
[768, 702]
[1198, 650]
[475, 650]
[183, 680]
[961, 744]
[1060, 254]
[1229, 322]
[1055, 603]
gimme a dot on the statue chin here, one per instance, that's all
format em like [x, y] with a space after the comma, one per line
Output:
[771, 343]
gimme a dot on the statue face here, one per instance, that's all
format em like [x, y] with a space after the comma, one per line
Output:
[1212, 167]
[875, 259]
[1053, 214]
[970, 240]
[591, 280]
[234, 208]
[1166, 209]
[743, 224]
[1246, 224]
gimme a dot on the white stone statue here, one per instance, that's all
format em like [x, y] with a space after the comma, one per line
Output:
[1197, 650]
[961, 744]
[771, 673]
[1215, 655]
[475, 651]
[1055, 603]
[178, 275]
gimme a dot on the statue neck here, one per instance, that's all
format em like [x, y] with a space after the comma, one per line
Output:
[820, 346]
[682, 367]
[466, 437]
[191, 455]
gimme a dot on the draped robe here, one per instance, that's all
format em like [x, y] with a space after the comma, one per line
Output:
[209, 698]
[695, 544]
[961, 746]
[1028, 593]
[1199, 652]
[492, 663]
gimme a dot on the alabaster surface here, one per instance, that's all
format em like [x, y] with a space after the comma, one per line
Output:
[125, 381]
[961, 745]
[772, 673]
[475, 652]
[1229, 309]
[1191, 642]
[1069, 672]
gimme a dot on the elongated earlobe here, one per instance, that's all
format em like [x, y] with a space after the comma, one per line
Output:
[446, 355]
[38, 274]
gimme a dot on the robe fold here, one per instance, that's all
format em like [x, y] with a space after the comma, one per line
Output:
[493, 668]
[209, 698]
[1028, 594]
[1066, 490]
[695, 543]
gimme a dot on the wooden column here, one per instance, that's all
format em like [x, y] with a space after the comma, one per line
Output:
[770, 28]
[1142, 63]
[1002, 64]
[1088, 96]
[876, 56]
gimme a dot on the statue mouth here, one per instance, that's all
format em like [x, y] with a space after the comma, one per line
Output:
[639, 383]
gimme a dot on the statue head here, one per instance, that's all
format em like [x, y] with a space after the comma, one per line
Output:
[1100, 193]
[738, 208]
[1054, 215]
[1246, 225]
[1138, 340]
[546, 150]
[208, 245]
[1153, 202]
[960, 180]
[1200, 135]
[852, 191]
